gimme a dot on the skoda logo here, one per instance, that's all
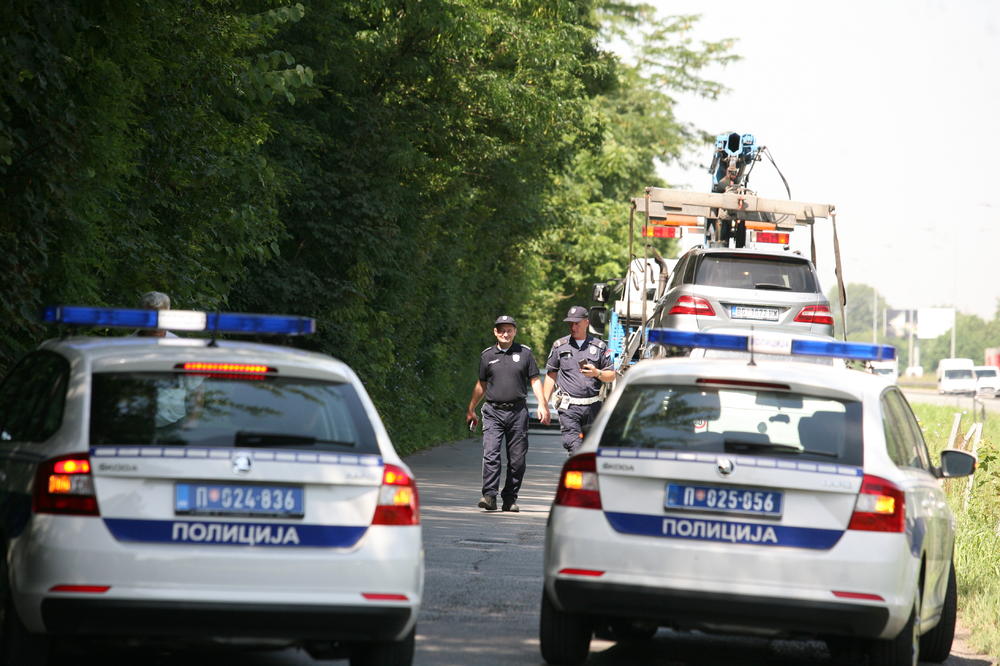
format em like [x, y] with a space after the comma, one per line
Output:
[725, 466]
[241, 464]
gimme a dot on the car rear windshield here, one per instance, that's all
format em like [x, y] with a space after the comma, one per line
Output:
[750, 272]
[958, 374]
[986, 373]
[741, 421]
[209, 410]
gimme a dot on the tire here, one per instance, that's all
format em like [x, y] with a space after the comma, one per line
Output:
[904, 649]
[565, 637]
[387, 653]
[18, 646]
[935, 645]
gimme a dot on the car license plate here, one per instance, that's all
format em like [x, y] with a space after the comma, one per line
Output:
[748, 312]
[724, 500]
[223, 499]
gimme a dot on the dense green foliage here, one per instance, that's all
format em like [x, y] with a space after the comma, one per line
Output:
[401, 170]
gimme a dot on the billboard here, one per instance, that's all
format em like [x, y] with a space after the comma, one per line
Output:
[934, 322]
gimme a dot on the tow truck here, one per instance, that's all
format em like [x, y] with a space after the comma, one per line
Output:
[731, 215]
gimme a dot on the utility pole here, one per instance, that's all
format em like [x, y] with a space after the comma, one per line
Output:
[954, 325]
[874, 315]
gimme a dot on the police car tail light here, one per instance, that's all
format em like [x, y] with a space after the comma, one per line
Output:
[398, 503]
[815, 314]
[65, 485]
[578, 483]
[880, 506]
[692, 305]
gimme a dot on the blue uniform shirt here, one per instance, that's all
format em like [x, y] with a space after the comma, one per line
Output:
[565, 357]
[506, 373]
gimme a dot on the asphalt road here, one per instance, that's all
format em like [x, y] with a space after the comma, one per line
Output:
[959, 402]
[483, 584]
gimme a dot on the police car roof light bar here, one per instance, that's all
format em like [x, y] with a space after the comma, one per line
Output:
[179, 320]
[774, 344]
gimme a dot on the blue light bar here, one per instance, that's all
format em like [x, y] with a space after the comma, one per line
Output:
[774, 342]
[184, 320]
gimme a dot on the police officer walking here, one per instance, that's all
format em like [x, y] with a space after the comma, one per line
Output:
[578, 363]
[504, 372]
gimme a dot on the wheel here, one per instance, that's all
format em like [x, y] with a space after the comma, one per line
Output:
[565, 637]
[388, 653]
[904, 649]
[18, 646]
[935, 645]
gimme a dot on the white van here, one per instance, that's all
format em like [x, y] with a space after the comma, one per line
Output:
[956, 375]
[887, 369]
[987, 380]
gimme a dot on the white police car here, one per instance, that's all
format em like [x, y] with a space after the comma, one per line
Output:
[182, 490]
[777, 499]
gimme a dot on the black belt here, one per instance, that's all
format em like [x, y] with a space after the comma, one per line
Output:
[507, 405]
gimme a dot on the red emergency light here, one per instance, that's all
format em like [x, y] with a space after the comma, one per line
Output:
[772, 237]
[656, 231]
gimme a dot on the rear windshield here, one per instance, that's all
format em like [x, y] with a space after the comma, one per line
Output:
[741, 421]
[748, 272]
[180, 409]
[958, 374]
[986, 373]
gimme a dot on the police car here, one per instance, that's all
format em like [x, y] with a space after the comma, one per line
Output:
[777, 499]
[192, 490]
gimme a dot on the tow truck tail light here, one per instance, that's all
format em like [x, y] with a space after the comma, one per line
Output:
[692, 305]
[398, 503]
[880, 506]
[815, 314]
[65, 485]
[772, 237]
[578, 483]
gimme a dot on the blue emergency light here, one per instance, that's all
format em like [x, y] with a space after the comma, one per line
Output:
[774, 343]
[180, 320]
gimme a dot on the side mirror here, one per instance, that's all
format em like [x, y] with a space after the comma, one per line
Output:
[600, 293]
[956, 463]
[598, 318]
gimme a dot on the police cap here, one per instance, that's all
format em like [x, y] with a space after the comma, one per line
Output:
[577, 313]
[505, 319]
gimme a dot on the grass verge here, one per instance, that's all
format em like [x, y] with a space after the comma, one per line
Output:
[977, 548]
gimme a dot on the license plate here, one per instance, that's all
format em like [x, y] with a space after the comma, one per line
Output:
[724, 500]
[223, 499]
[748, 312]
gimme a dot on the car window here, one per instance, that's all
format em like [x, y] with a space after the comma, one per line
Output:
[33, 397]
[757, 422]
[750, 272]
[958, 374]
[986, 373]
[904, 439]
[174, 408]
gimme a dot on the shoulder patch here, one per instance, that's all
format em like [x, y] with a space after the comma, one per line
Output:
[560, 342]
[486, 350]
[526, 347]
[600, 344]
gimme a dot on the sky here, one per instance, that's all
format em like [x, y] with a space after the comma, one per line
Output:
[889, 110]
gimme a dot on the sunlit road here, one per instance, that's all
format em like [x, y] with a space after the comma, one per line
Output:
[959, 402]
[484, 583]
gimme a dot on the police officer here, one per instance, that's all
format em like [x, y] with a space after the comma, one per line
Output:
[504, 371]
[578, 363]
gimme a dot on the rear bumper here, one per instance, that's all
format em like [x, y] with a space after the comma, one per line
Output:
[693, 610]
[115, 617]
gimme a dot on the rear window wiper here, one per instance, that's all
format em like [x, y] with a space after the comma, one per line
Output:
[771, 285]
[777, 446]
[250, 439]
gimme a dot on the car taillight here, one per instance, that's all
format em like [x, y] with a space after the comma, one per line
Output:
[692, 305]
[65, 485]
[578, 483]
[880, 506]
[815, 314]
[398, 503]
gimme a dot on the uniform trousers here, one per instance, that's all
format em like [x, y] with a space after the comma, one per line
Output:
[501, 426]
[573, 420]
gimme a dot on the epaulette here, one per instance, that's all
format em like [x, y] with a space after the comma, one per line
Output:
[526, 347]
[486, 350]
[600, 344]
[560, 342]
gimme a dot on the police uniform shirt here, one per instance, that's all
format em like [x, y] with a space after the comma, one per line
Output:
[506, 373]
[565, 357]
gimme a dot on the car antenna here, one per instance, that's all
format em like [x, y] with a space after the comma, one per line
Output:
[215, 331]
[750, 346]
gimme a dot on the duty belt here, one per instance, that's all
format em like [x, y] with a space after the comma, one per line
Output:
[582, 401]
[506, 405]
